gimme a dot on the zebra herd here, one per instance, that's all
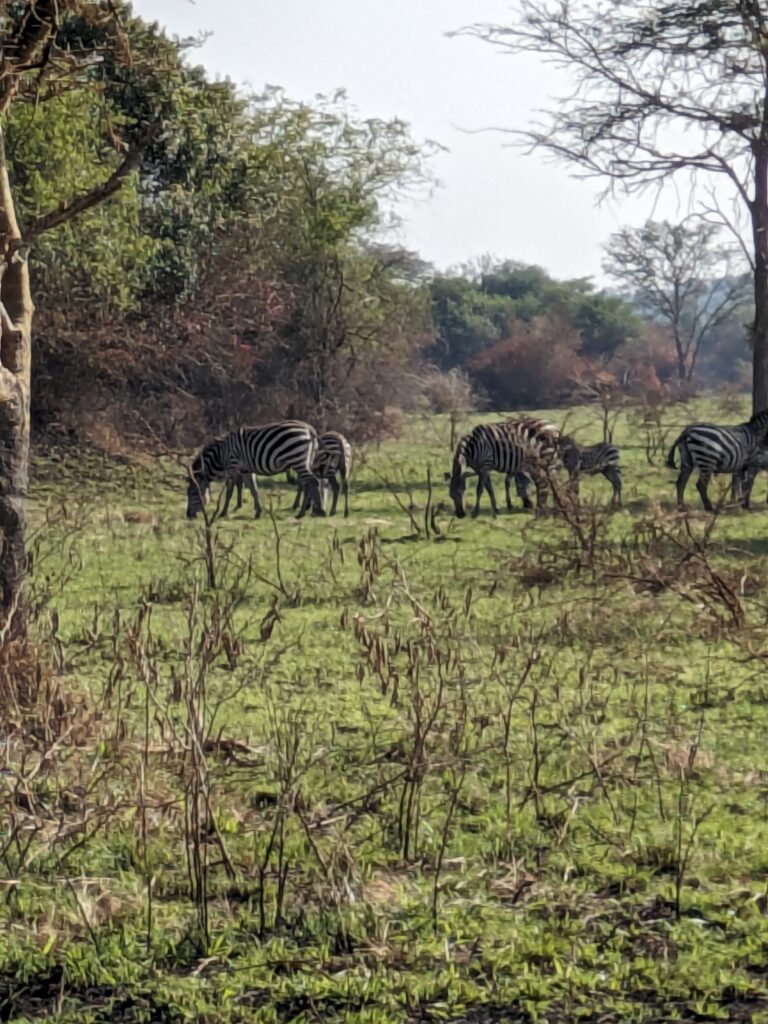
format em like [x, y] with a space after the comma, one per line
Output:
[525, 450]
[528, 449]
[239, 457]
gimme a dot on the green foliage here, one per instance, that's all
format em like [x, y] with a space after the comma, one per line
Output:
[55, 152]
[472, 314]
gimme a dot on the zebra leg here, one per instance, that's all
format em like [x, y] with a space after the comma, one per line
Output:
[507, 493]
[682, 480]
[313, 495]
[250, 483]
[306, 501]
[540, 482]
[747, 481]
[297, 499]
[481, 478]
[229, 486]
[613, 474]
[334, 485]
[573, 483]
[345, 492]
[522, 480]
[737, 485]
[491, 495]
[701, 486]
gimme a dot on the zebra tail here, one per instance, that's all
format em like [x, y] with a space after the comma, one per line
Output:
[671, 455]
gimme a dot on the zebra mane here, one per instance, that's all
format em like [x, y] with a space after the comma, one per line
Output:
[758, 419]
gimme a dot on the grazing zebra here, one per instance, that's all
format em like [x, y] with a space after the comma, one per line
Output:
[503, 449]
[596, 458]
[334, 455]
[264, 451]
[712, 449]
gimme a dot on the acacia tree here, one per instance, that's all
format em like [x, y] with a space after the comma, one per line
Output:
[660, 88]
[50, 48]
[681, 276]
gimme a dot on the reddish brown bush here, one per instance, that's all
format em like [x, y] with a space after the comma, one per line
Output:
[538, 363]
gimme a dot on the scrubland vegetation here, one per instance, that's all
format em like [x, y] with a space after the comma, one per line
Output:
[394, 767]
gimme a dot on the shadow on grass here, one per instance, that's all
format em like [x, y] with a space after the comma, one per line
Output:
[757, 547]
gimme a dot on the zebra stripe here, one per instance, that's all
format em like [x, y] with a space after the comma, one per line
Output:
[263, 451]
[712, 449]
[501, 448]
[541, 437]
[334, 455]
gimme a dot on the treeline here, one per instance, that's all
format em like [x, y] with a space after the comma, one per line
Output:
[525, 339]
[240, 274]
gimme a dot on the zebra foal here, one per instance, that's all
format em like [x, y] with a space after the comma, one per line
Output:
[591, 459]
[712, 449]
[502, 448]
[263, 451]
[334, 455]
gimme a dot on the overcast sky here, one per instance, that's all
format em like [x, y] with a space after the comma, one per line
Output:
[394, 59]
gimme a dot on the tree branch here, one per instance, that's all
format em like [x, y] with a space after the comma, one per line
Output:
[72, 208]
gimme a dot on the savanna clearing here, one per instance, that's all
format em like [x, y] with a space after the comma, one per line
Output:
[395, 767]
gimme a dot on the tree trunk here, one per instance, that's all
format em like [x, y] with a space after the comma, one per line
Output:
[16, 312]
[759, 212]
[682, 369]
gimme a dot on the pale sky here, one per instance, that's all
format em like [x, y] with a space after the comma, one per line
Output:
[394, 59]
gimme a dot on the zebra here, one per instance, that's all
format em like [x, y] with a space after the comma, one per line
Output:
[334, 455]
[590, 459]
[505, 449]
[264, 450]
[712, 449]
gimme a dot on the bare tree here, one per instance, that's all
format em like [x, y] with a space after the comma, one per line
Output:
[682, 277]
[660, 88]
[34, 69]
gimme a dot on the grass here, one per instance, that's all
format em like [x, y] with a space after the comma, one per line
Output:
[397, 767]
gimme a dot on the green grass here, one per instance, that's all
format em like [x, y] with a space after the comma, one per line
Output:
[514, 769]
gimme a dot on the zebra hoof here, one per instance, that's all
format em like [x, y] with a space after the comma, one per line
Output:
[318, 513]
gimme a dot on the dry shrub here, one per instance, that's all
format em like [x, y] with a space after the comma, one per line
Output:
[378, 425]
[33, 703]
[537, 363]
[202, 370]
[447, 391]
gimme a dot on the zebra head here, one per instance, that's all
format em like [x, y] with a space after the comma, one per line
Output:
[199, 488]
[568, 451]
